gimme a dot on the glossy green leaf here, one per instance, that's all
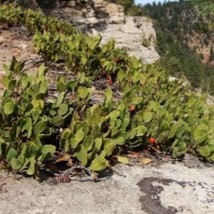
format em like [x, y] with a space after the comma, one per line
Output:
[204, 151]
[9, 106]
[32, 166]
[200, 135]
[63, 109]
[24, 81]
[40, 127]
[109, 147]
[120, 140]
[57, 121]
[48, 149]
[79, 136]
[16, 163]
[33, 149]
[147, 116]
[82, 92]
[141, 130]
[81, 155]
[38, 103]
[60, 98]
[12, 153]
[98, 144]
[41, 72]
[99, 164]
[43, 87]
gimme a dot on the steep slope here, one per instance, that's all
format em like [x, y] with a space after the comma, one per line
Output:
[135, 34]
[185, 41]
[109, 20]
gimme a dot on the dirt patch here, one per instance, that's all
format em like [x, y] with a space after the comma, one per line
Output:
[15, 42]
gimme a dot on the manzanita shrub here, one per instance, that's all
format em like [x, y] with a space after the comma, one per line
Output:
[138, 103]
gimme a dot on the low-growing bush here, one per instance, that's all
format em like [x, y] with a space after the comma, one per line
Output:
[138, 104]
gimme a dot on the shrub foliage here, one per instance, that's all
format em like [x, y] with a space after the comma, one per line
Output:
[138, 102]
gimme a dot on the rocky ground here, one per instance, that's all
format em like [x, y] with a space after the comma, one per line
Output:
[185, 187]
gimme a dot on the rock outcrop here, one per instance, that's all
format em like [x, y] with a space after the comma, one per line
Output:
[134, 34]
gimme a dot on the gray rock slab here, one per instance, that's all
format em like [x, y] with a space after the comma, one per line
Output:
[183, 187]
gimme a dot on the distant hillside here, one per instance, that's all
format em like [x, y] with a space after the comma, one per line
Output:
[185, 41]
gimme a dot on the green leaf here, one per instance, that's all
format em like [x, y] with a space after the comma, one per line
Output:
[121, 75]
[82, 92]
[32, 166]
[88, 143]
[165, 126]
[109, 147]
[123, 160]
[211, 146]
[133, 133]
[33, 149]
[57, 121]
[40, 127]
[108, 96]
[1, 146]
[212, 157]
[28, 127]
[177, 153]
[60, 99]
[200, 135]
[79, 136]
[12, 84]
[120, 140]
[141, 130]
[63, 109]
[48, 149]
[114, 114]
[35, 115]
[9, 106]
[46, 152]
[204, 151]
[95, 110]
[73, 142]
[16, 163]
[43, 87]
[98, 143]
[41, 72]
[180, 130]
[5, 81]
[28, 124]
[24, 81]
[81, 155]
[147, 116]
[12, 153]
[99, 164]
[61, 86]
[38, 103]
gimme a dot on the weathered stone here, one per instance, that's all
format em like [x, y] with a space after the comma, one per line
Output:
[130, 37]
[93, 20]
[112, 8]
[134, 34]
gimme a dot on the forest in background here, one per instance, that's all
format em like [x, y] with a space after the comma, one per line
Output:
[177, 24]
